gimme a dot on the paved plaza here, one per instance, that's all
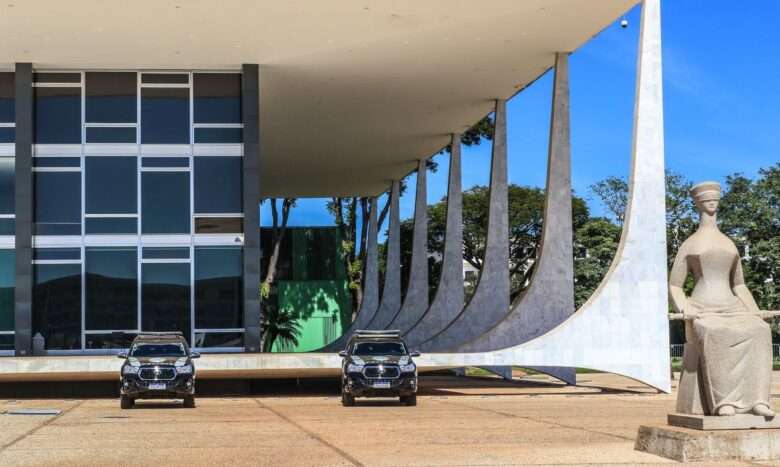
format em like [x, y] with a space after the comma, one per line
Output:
[459, 421]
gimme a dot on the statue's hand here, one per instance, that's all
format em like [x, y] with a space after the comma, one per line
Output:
[690, 313]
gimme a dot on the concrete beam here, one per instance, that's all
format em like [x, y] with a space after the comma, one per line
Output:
[416, 300]
[448, 301]
[490, 302]
[391, 291]
[549, 299]
[24, 210]
[250, 116]
[370, 301]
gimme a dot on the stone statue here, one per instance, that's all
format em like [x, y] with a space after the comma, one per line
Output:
[727, 367]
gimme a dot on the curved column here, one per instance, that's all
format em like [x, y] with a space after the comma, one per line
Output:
[490, 302]
[623, 328]
[391, 291]
[549, 299]
[370, 301]
[448, 300]
[416, 300]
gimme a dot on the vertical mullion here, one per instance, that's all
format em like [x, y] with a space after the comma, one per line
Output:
[139, 244]
[82, 162]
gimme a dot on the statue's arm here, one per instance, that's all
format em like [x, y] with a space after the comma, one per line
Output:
[677, 278]
[741, 290]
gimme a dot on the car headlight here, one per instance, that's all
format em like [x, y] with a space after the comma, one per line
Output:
[409, 368]
[184, 370]
[130, 370]
[352, 368]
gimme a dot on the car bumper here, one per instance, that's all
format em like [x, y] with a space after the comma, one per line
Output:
[135, 387]
[358, 386]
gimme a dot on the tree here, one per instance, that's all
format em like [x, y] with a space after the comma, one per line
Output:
[279, 229]
[595, 244]
[279, 324]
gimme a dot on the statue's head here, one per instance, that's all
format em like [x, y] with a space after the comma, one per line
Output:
[706, 195]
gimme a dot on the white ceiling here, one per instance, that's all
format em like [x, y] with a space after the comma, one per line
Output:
[352, 92]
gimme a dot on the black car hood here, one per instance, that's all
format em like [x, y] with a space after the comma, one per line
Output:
[387, 360]
[157, 360]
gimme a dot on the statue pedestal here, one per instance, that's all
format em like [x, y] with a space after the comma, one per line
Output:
[699, 438]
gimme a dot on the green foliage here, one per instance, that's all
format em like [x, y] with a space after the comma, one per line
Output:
[279, 324]
[595, 244]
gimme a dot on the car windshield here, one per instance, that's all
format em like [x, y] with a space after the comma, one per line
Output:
[367, 349]
[158, 350]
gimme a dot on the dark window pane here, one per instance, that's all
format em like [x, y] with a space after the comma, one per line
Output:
[56, 253]
[165, 78]
[111, 225]
[57, 115]
[7, 96]
[217, 97]
[114, 340]
[57, 203]
[111, 135]
[111, 185]
[7, 185]
[207, 225]
[218, 135]
[166, 253]
[217, 184]
[219, 339]
[165, 297]
[7, 135]
[56, 77]
[111, 98]
[7, 226]
[165, 116]
[218, 295]
[165, 202]
[6, 342]
[7, 280]
[57, 304]
[56, 162]
[111, 288]
[165, 162]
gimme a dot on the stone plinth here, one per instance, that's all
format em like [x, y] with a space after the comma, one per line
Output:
[734, 422]
[690, 445]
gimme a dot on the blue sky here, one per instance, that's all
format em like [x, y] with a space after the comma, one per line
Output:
[721, 105]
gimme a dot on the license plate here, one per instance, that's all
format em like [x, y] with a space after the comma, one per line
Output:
[157, 386]
[382, 385]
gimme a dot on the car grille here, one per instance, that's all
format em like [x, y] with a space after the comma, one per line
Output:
[381, 371]
[159, 373]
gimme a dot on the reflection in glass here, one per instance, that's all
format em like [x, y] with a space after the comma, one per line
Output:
[111, 135]
[217, 184]
[57, 203]
[7, 97]
[111, 275]
[219, 225]
[6, 342]
[7, 226]
[7, 280]
[217, 97]
[56, 77]
[165, 297]
[165, 116]
[7, 135]
[218, 295]
[57, 162]
[110, 225]
[165, 202]
[57, 305]
[57, 254]
[111, 185]
[114, 340]
[218, 135]
[165, 78]
[165, 162]
[7, 185]
[219, 339]
[110, 97]
[166, 253]
[57, 115]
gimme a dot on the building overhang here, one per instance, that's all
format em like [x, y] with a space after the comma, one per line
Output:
[353, 93]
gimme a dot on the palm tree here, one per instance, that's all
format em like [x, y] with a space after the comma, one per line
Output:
[281, 325]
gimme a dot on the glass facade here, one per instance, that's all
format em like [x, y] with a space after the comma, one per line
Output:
[137, 208]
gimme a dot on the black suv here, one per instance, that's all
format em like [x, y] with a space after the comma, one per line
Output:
[158, 365]
[378, 364]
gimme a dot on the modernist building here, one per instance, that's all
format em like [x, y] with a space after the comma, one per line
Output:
[137, 139]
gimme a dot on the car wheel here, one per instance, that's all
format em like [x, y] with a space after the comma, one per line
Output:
[189, 402]
[410, 401]
[347, 400]
[126, 402]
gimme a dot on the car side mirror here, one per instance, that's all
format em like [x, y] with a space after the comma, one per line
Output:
[414, 354]
[194, 355]
[122, 355]
[343, 354]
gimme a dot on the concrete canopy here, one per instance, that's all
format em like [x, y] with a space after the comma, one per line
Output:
[352, 92]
